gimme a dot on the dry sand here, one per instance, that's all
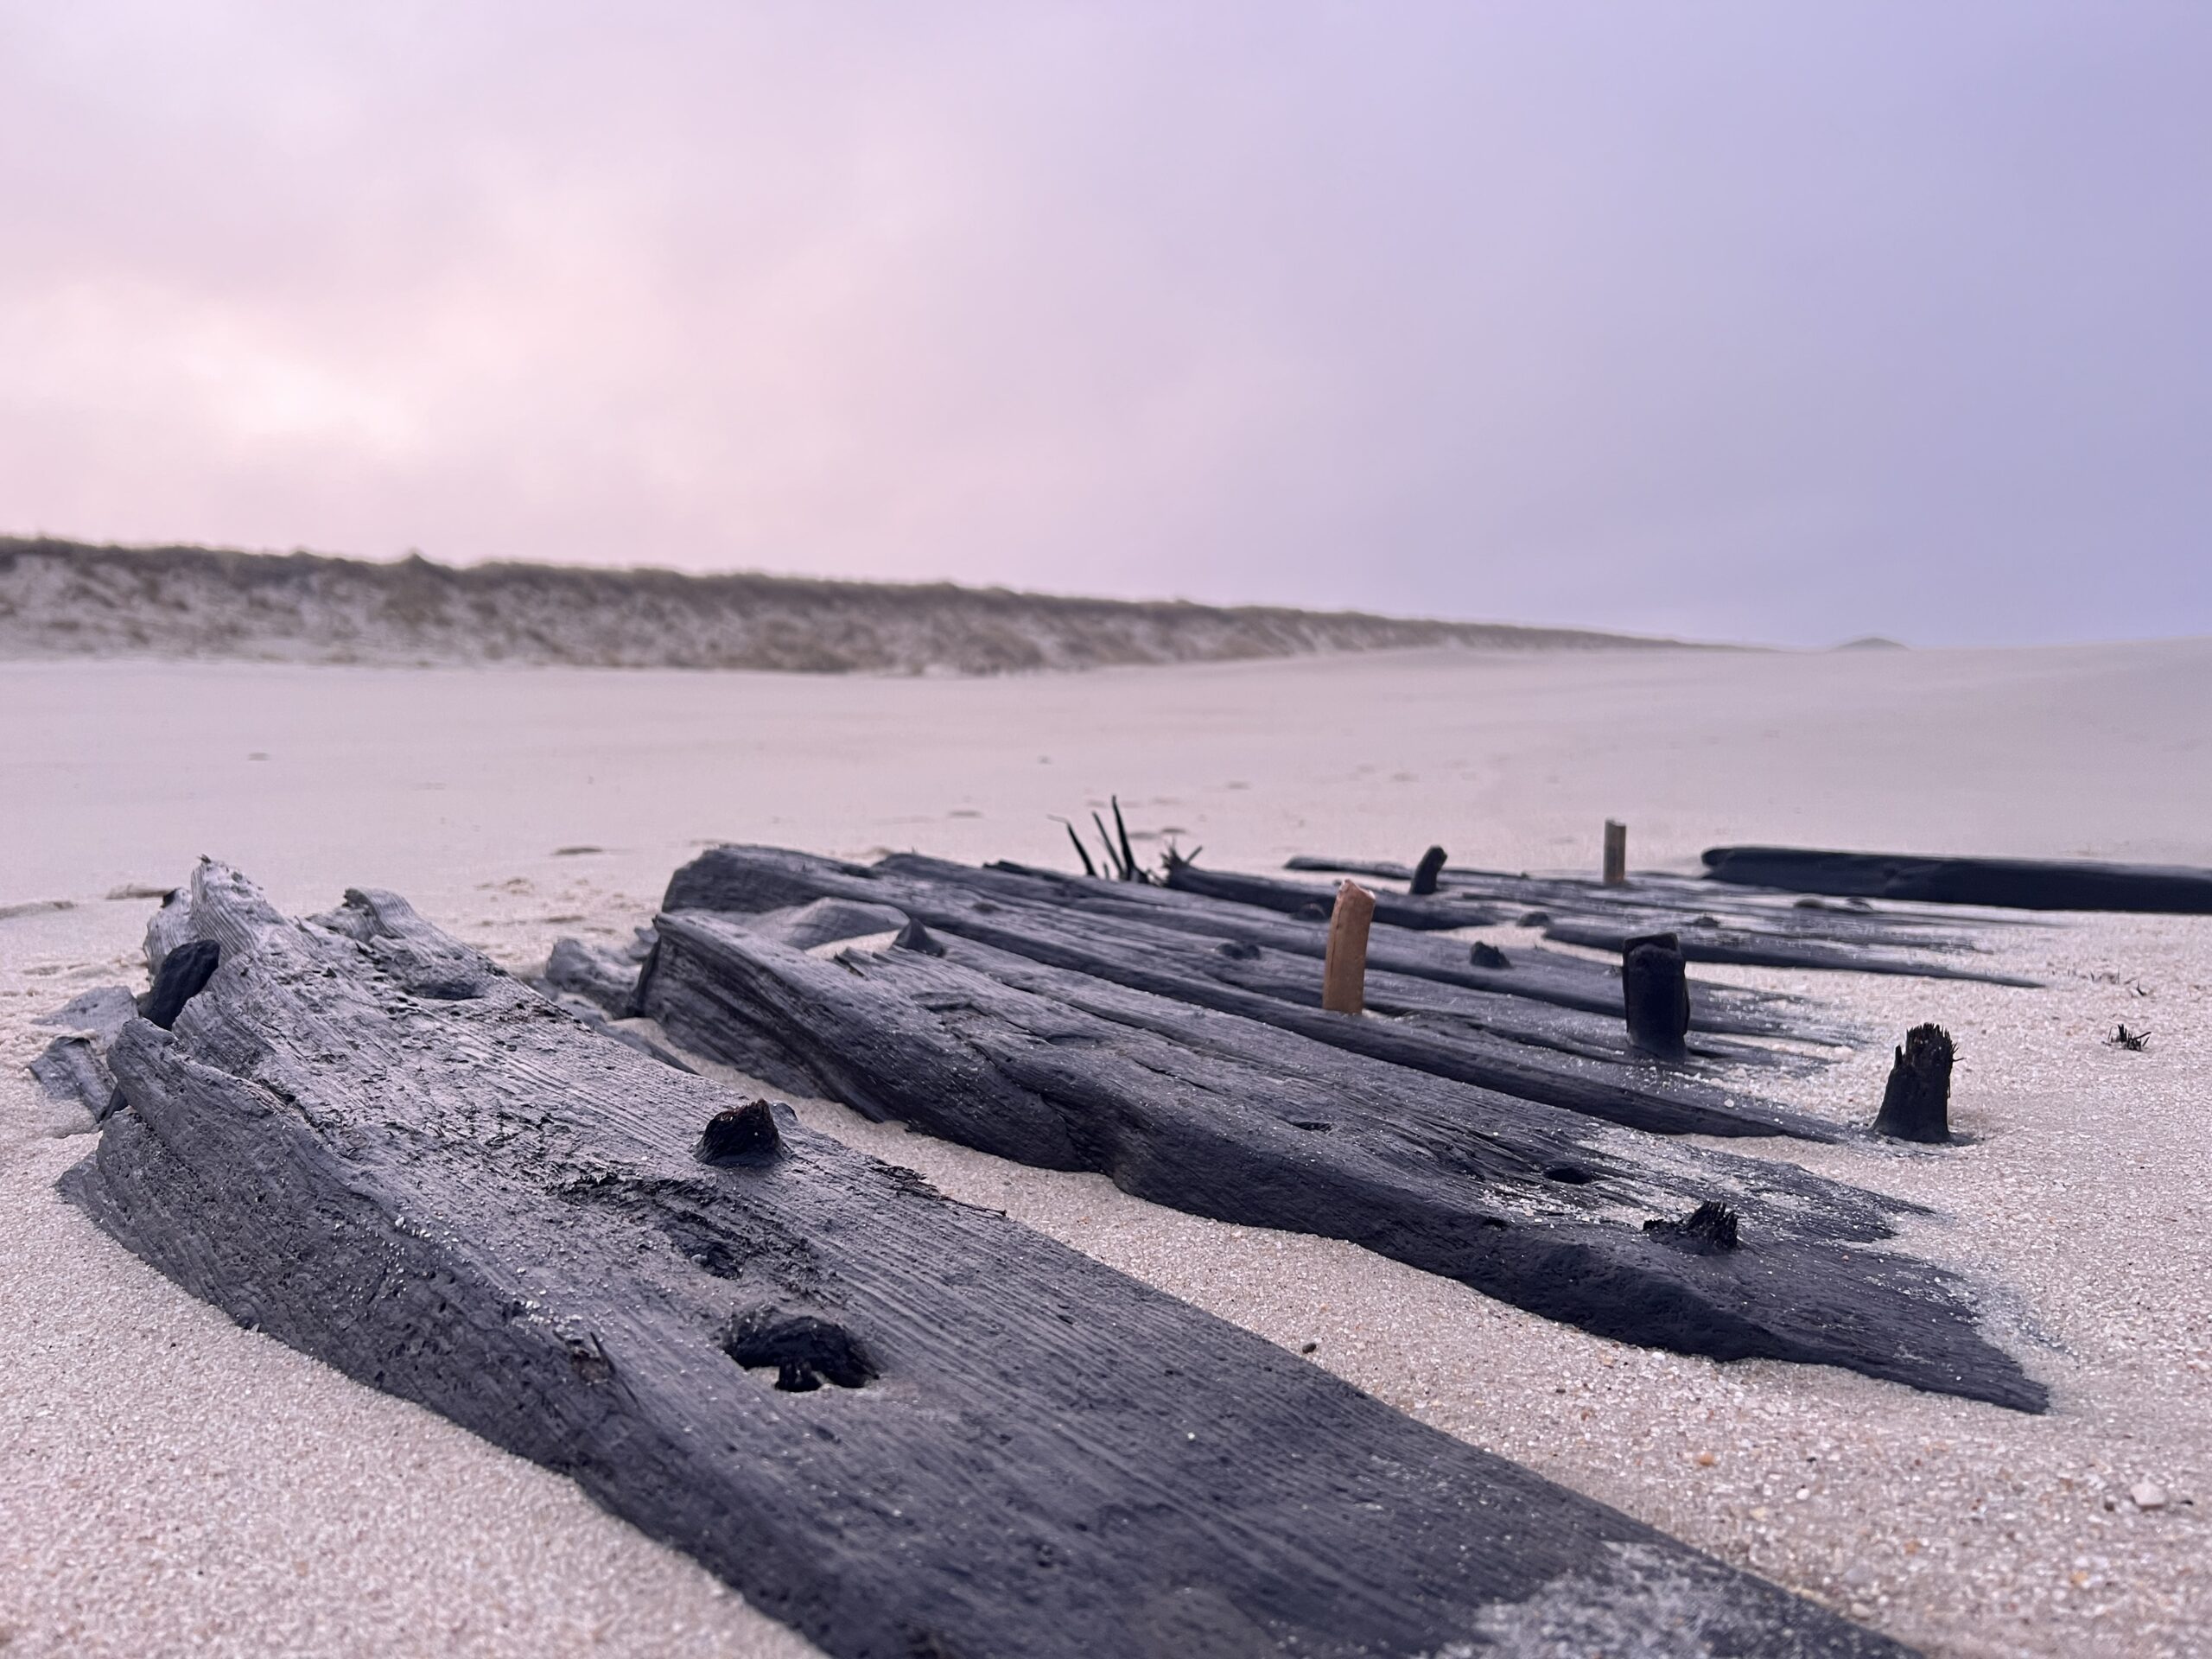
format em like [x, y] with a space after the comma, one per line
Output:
[171, 1484]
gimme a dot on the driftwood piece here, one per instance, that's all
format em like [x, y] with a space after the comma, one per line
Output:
[1656, 994]
[752, 878]
[1343, 970]
[1917, 1103]
[364, 1140]
[2012, 883]
[1230, 1118]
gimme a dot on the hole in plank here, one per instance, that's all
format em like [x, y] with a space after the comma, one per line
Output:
[803, 1351]
[1569, 1175]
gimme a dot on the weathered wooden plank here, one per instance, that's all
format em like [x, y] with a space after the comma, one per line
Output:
[1437, 913]
[1275, 963]
[1812, 944]
[366, 1141]
[1763, 950]
[1226, 1118]
[1529, 974]
[1666, 894]
[1639, 1094]
[2012, 883]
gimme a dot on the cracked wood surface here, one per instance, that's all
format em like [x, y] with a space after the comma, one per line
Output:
[366, 1141]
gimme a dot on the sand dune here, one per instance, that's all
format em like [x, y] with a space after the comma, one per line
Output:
[67, 599]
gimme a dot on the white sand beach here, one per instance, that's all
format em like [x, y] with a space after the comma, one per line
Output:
[171, 1484]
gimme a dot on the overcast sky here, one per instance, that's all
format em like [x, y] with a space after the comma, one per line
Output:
[1772, 321]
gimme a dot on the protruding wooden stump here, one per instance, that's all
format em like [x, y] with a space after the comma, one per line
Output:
[1616, 853]
[1656, 994]
[742, 1135]
[1916, 1106]
[1343, 970]
[1426, 872]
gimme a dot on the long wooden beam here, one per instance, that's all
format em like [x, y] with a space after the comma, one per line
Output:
[1638, 1093]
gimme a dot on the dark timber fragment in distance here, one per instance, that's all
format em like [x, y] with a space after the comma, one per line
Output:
[2006, 883]
[901, 1425]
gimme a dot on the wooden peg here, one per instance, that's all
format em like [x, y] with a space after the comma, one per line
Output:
[1344, 972]
[1616, 853]
[1656, 991]
[1425, 873]
[1917, 1105]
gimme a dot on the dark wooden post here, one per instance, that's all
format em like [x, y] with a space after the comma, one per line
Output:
[741, 1135]
[1616, 853]
[1916, 1106]
[1656, 993]
[1426, 872]
[1343, 971]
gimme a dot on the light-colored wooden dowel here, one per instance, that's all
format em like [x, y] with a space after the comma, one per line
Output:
[1344, 975]
[1616, 853]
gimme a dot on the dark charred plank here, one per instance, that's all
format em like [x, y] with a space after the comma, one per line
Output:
[1552, 978]
[1228, 1117]
[901, 1425]
[1775, 941]
[1759, 949]
[1656, 995]
[1916, 1102]
[1635, 1094]
[2010, 883]
[1435, 913]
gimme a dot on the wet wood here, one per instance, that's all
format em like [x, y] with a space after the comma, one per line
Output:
[903, 1426]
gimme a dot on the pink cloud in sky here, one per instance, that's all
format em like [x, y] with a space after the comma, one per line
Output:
[1727, 319]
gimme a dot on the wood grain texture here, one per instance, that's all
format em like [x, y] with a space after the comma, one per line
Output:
[1581, 914]
[1530, 974]
[366, 1141]
[1284, 992]
[1236, 1119]
[2018, 883]
[1344, 965]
